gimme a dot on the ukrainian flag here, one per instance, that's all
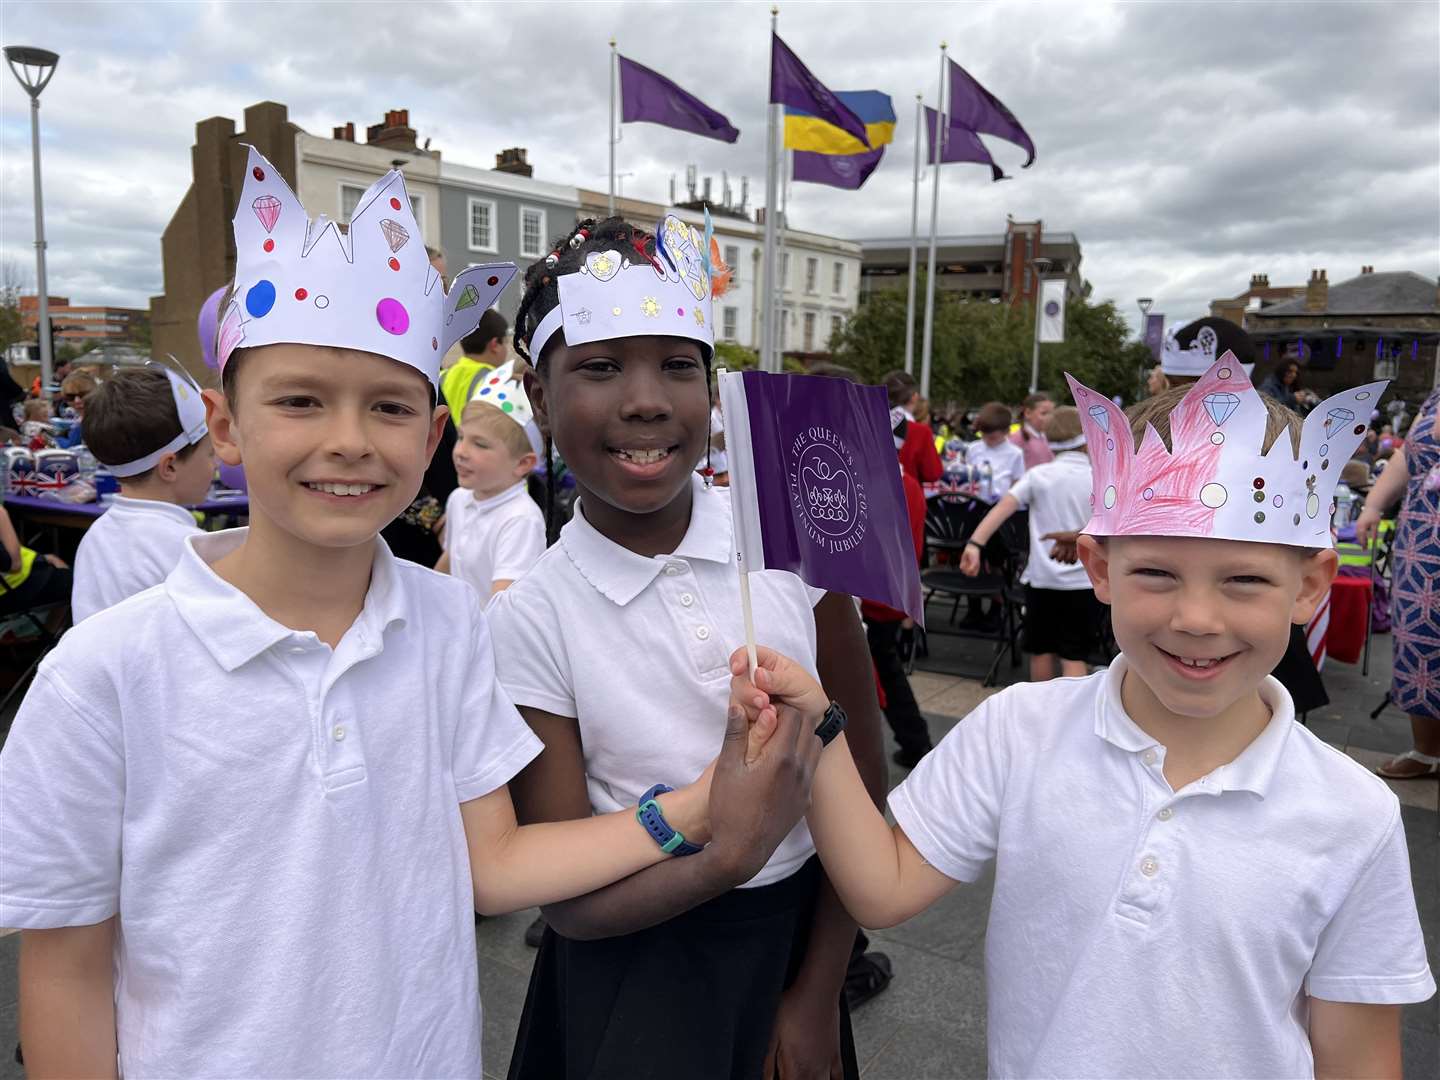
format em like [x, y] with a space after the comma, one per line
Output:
[806, 132]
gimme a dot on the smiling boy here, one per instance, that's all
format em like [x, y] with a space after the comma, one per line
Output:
[1187, 882]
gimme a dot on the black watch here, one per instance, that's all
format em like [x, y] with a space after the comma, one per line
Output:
[831, 724]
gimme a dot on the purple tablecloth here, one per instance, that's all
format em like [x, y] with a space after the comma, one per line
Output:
[238, 505]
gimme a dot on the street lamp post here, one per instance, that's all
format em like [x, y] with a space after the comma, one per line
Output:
[34, 68]
[1040, 265]
[1144, 303]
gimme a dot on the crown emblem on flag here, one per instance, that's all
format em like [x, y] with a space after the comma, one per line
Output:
[371, 288]
[1215, 481]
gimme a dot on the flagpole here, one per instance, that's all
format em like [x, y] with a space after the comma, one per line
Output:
[914, 242]
[938, 154]
[767, 316]
[613, 64]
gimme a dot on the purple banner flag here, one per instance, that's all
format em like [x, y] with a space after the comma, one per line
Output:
[815, 485]
[961, 144]
[1155, 335]
[792, 84]
[647, 95]
[837, 170]
[974, 107]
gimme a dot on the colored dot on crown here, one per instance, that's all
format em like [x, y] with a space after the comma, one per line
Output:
[269, 245]
[394, 263]
[258, 173]
[492, 280]
[394, 203]
[301, 294]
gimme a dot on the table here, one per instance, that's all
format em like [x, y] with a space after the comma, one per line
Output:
[52, 515]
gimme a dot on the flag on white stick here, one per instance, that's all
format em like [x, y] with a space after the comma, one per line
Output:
[1052, 310]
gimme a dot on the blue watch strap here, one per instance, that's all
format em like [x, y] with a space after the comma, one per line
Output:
[649, 814]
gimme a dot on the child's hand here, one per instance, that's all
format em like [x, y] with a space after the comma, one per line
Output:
[1066, 549]
[778, 680]
[970, 561]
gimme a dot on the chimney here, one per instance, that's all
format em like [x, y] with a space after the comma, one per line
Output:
[394, 132]
[1257, 281]
[1317, 291]
[1367, 270]
[345, 133]
[513, 161]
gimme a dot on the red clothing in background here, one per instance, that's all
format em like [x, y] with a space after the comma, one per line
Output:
[918, 456]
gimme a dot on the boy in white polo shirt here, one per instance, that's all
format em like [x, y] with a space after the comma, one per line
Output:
[1187, 882]
[147, 425]
[247, 816]
[494, 532]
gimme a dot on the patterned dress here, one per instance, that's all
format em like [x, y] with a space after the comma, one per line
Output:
[1415, 579]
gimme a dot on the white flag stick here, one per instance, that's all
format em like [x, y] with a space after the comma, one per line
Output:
[914, 242]
[744, 525]
[942, 108]
[749, 613]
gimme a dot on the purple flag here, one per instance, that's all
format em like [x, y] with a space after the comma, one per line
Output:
[837, 170]
[961, 144]
[792, 84]
[815, 485]
[974, 107]
[648, 95]
[1155, 334]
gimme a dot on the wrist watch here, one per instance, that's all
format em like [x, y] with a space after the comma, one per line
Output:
[831, 724]
[649, 814]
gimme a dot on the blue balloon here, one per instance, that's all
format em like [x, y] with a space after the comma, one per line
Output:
[260, 299]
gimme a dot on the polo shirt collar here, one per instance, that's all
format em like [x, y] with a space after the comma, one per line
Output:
[1254, 767]
[510, 494]
[152, 506]
[232, 627]
[620, 575]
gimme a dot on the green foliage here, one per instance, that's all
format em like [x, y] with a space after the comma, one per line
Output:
[982, 350]
[735, 357]
[11, 327]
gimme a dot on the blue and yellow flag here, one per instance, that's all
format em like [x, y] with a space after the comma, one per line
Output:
[804, 131]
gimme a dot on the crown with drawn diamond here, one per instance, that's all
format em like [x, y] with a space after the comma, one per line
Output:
[371, 288]
[1214, 480]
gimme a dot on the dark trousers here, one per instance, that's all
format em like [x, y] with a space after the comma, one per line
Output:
[901, 710]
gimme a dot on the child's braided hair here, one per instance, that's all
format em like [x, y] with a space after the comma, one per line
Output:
[542, 295]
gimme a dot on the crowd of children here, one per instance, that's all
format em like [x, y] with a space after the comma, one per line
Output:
[252, 800]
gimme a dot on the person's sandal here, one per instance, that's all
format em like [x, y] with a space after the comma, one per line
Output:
[1432, 767]
[867, 977]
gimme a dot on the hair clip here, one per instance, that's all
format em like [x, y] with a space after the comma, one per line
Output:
[581, 235]
[552, 260]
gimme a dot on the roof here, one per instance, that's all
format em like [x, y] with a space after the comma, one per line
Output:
[1395, 292]
[970, 240]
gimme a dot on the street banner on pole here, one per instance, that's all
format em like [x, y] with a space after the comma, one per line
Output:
[1052, 310]
[1155, 335]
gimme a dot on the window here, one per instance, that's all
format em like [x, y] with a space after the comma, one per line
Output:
[350, 198]
[482, 226]
[784, 269]
[835, 323]
[732, 260]
[1387, 359]
[730, 322]
[812, 273]
[837, 283]
[784, 325]
[532, 232]
[809, 331]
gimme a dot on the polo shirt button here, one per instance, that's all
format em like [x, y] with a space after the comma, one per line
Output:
[1149, 757]
[703, 633]
[686, 599]
[672, 570]
[1165, 814]
[297, 648]
[339, 733]
[1149, 867]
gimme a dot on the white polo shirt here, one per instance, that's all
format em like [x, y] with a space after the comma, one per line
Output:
[128, 549]
[1139, 931]
[1007, 465]
[638, 650]
[276, 824]
[494, 539]
[1057, 494]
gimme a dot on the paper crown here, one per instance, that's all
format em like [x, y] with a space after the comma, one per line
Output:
[616, 295]
[504, 388]
[1196, 359]
[189, 407]
[371, 289]
[1214, 481]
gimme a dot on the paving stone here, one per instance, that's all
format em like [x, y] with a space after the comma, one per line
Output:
[9, 1036]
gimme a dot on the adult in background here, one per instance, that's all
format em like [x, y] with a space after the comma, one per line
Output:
[1283, 384]
[914, 441]
[1414, 474]
[1035, 413]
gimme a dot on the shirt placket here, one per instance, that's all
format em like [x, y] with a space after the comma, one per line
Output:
[334, 729]
[680, 594]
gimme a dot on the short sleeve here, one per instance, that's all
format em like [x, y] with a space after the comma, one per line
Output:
[519, 543]
[530, 660]
[1372, 951]
[1021, 491]
[62, 801]
[949, 806]
[492, 740]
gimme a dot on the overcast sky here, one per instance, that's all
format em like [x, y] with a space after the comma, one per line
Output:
[1187, 145]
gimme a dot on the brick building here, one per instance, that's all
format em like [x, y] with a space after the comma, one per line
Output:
[78, 324]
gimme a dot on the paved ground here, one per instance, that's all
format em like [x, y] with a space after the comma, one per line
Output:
[931, 1022]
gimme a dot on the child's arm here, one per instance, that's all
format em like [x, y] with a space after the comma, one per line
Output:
[1000, 513]
[442, 565]
[67, 1000]
[9, 540]
[752, 805]
[1350, 1039]
[874, 868]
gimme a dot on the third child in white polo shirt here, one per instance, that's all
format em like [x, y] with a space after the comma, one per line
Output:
[494, 532]
[147, 425]
[1187, 882]
[247, 816]
[616, 648]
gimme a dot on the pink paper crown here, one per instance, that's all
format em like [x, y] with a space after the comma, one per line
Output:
[1214, 481]
[371, 289]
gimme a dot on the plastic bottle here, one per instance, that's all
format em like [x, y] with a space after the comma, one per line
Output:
[1344, 501]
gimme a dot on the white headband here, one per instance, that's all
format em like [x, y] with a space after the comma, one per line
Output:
[1067, 444]
[189, 407]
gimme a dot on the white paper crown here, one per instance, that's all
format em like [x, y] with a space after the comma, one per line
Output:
[371, 289]
[504, 388]
[189, 407]
[1214, 481]
[616, 295]
[1196, 360]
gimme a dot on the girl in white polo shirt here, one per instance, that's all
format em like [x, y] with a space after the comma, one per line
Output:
[1187, 882]
[616, 648]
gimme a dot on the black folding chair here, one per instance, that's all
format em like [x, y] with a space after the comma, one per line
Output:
[43, 641]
